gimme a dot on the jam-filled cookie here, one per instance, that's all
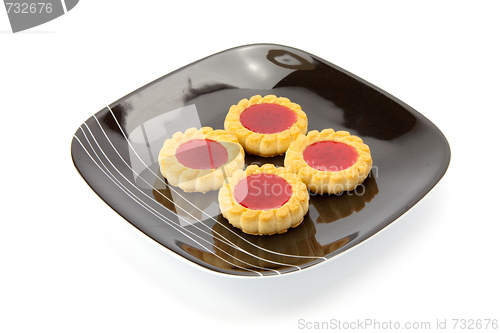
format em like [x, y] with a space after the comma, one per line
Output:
[264, 200]
[329, 161]
[266, 126]
[199, 160]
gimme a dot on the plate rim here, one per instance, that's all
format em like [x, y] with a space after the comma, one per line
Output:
[437, 177]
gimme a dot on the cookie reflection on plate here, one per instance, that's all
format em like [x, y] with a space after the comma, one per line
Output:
[336, 206]
[235, 250]
[191, 207]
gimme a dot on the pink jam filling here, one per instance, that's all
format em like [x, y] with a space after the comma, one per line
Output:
[330, 156]
[262, 192]
[202, 154]
[268, 118]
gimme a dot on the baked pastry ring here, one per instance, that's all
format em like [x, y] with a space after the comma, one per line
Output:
[269, 128]
[325, 172]
[264, 200]
[199, 160]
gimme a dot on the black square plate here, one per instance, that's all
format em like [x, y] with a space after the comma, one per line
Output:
[116, 152]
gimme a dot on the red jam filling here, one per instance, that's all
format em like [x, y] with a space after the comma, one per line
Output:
[202, 154]
[262, 192]
[268, 118]
[330, 156]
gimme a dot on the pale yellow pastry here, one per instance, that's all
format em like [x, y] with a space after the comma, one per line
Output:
[199, 160]
[264, 200]
[266, 126]
[329, 161]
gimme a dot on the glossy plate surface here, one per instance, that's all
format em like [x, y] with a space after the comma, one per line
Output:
[116, 152]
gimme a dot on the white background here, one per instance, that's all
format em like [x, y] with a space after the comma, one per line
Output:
[69, 263]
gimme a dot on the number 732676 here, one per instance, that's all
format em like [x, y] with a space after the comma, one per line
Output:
[28, 8]
[475, 324]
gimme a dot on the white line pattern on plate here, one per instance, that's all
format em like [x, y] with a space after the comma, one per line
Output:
[227, 242]
[157, 203]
